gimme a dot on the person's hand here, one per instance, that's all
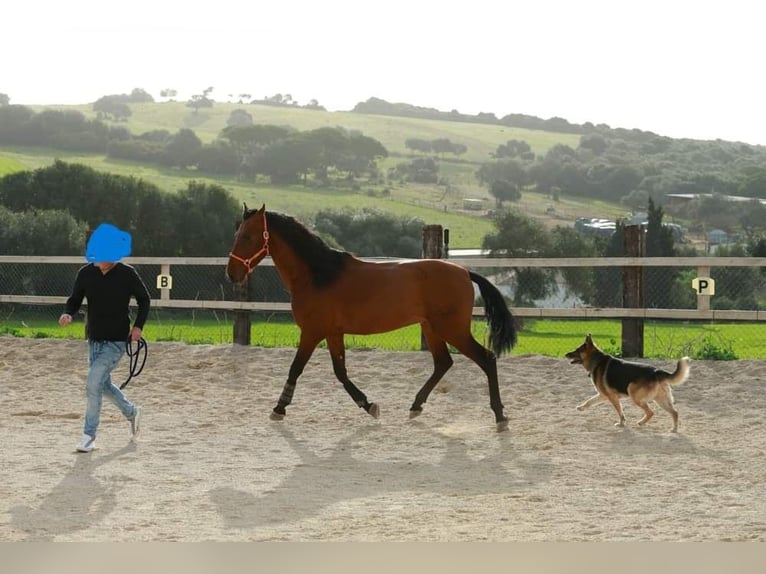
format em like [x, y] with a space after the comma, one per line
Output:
[135, 334]
[65, 319]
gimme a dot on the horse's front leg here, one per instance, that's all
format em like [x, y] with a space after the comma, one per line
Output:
[338, 356]
[306, 348]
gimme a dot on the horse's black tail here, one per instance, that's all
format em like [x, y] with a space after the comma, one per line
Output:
[502, 329]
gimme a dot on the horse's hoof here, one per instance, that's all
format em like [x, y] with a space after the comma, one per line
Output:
[276, 416]
[415, 413]
[502, 425]
[374, 411]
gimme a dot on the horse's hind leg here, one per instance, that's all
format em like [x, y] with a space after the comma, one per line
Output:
[338, 356]
[442, 363]
[485, 358]
[305, 350]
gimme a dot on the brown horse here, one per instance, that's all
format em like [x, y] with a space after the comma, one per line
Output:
[334, 293]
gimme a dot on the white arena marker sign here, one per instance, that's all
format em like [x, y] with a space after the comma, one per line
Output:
[164, 281]
[704, 285]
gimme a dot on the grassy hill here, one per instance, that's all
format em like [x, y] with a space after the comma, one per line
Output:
[10, 165]
[434, 204]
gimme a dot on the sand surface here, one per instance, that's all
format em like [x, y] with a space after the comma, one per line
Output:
[211, 466]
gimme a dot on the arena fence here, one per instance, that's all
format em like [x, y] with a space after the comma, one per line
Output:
[192, 301]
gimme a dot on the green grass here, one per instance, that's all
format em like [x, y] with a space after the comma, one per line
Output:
[10, 165]
[662, 340]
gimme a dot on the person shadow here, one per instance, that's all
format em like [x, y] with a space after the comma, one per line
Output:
[77, 502]
[317, 482]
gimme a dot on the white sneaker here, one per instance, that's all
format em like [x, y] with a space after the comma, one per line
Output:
[87, 443]
[135, 423]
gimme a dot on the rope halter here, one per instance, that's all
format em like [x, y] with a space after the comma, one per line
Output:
[248, 263]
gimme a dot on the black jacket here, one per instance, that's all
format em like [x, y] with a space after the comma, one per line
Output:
[108, 296]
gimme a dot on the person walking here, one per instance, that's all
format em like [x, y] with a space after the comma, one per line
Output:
[108, 286]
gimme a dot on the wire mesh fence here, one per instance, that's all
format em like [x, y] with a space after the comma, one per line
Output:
[555, 303]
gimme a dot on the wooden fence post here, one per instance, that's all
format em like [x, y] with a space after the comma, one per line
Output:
[242, 317]
[432, 242]
[633, 293]
[432, 249]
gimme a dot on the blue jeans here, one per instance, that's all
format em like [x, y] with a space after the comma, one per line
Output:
[103, 357]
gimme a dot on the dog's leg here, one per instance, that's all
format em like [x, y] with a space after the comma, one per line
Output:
[615, 400]
[666, 402]
[599, 398]
[648, 413]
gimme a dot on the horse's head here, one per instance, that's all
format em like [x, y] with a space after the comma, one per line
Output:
[251, 244]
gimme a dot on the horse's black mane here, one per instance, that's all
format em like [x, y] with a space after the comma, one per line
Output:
[324, 263]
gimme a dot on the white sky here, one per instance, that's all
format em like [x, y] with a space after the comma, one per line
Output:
[679, 68]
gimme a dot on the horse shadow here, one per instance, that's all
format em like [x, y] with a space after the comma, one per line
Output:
[77, 502]
[317, 482]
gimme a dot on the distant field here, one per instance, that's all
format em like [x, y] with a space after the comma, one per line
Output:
[434, 204]
[10, 165]
[392, 132]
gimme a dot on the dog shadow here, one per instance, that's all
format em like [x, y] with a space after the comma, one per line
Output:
[634, 441]
[77, 502]
[318, 482]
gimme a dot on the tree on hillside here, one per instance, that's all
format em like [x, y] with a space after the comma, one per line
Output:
[659, 281]
[140, 96]
[417, 144]
[594, 142]
[520, 236]
[504, 190]
[112, 107]
[41, 232]
[253, 136]
[607, 283]
[508, 170]
[239, 117]
[512, 149]
[371, 232]
[181, 149]
[202, 100]
[568, 242]
[418, 170]
[361, 155]
[5, 100]
[168, 93]
[314, 105]
[289, 160]
[205, 217]
[753, 220]
[250, 143]
[442, 146]
[34, 233]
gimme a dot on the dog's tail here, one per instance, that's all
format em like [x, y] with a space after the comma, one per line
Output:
[681, 373]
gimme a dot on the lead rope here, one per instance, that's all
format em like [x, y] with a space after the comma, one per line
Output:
[134, 358]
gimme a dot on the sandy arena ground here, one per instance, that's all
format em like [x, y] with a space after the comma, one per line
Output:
[211, 466]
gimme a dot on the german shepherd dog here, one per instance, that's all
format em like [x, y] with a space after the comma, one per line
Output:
[615, 378]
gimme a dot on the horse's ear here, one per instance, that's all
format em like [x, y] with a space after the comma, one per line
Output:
[263, 207]
[244, 209]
